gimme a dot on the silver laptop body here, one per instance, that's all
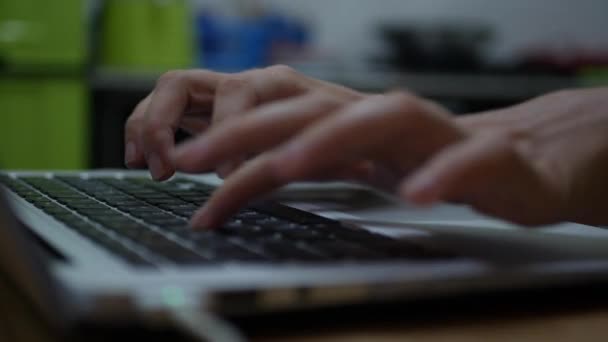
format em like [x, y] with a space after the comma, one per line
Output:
[89, 283]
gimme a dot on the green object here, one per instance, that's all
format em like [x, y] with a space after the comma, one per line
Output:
[40, 34]
[42, 125]
[43, 96]
[593, 76]
[147, 34]
[173, 296]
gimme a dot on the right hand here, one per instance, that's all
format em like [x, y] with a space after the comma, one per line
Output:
[195, 99]
[518, 163]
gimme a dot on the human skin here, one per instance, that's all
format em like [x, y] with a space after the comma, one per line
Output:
[538, 162]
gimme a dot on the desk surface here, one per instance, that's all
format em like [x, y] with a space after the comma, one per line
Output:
[571, 326]
[581, 316]
[541, 315]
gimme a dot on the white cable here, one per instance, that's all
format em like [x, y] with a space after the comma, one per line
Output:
[205, 325]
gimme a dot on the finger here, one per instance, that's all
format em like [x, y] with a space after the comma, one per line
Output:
[238, 93]
[194, 124]
[241, 92]
[359, 171]
[488, 173]
[175, 93]
[270, 83]
[237, 190]
[223, 170]
[377, 176]
[260, 130]
[279, 82]
[134, 157]
[396, 129]
[234, 97]
[453, 165]
[343, 139]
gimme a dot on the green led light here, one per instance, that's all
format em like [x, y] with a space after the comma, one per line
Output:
[173, 296]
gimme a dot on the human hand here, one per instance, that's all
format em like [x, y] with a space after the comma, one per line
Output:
[537, 163]
[563, 136]
[194, 100]
[378, 140]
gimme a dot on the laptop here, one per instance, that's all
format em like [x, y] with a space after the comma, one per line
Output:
[114, 247]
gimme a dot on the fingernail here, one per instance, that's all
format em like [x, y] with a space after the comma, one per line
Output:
[156, 166]
[130, 153]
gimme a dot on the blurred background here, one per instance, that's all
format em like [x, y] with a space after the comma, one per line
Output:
[71, 71]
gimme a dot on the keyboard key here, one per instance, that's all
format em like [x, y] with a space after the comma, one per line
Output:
[280, 250]
[218, 248]
[131, 216]
[343, 250]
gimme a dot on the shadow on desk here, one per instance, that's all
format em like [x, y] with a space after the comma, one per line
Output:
[560, 314]
[564, 314]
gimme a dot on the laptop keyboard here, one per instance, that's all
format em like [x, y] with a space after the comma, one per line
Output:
[145, 223]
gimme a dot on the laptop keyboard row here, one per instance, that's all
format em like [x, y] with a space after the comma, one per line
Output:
[145, 223]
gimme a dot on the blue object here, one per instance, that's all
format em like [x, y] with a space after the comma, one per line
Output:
[232, 44]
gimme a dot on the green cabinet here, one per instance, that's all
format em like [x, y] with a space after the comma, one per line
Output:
[42, 123]
[43, 95]
[43, 34]
[147, 35]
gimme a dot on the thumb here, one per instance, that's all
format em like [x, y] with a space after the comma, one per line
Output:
[492, 175]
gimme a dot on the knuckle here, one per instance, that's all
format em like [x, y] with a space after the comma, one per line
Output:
[503, 147]
[329, 98]
[153, 130]
[133, 125]
[283, 75]
[503, 139]
[326, 101]
[282, 70]
[276, 170]
[235, 128]
[271, 166]
[406, 102]
[169, 77]
[232, 84]
[279, 81]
